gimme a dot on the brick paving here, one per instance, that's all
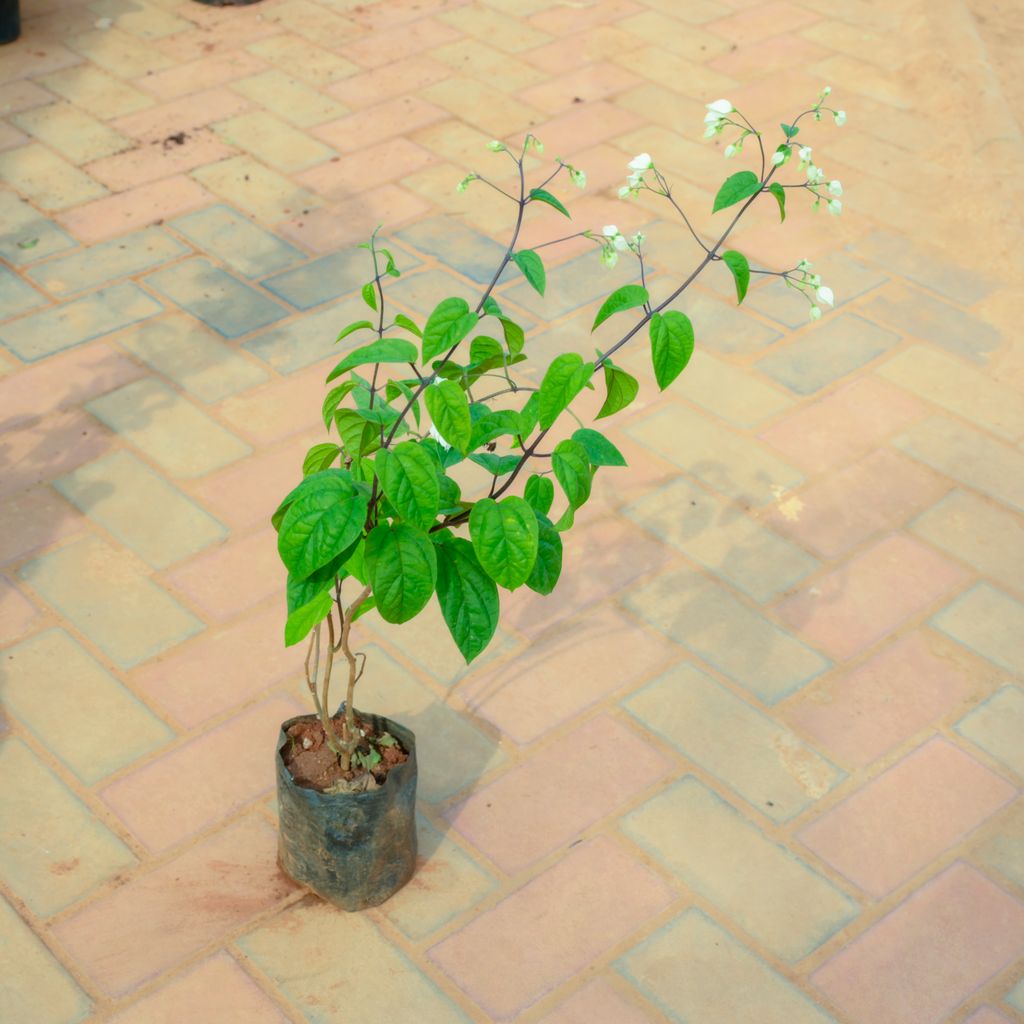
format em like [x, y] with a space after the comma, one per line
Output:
[759, 757]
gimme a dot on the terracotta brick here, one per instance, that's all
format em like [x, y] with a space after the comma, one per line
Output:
[153, 160]
[857, 604]
[576, 896]
[397, 43]
[926, 956]
[205, 73]
[598, 1002]
[862, 714]
[341, 179]
[17, 612]
[160, 918]
[598, 82]
[35, 518]
[902, 820]
[408, 75]
[762, 21]
[548, 800]
[399, 116]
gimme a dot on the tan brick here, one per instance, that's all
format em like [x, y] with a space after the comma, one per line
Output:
[47, 179]
[265, 194]
[732, 394]
[289, 98]
[120, 53]
[273, 141]
[71, 132]
[299, 57]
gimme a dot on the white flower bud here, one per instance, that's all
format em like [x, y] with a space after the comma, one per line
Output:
[815, 279]
[840, 117]
[609, 257]
[609, 231]
[804, 265]
[835, 207]
[779, 157]
[825, 295]
[639, 238]
[464, 184]
[730, 151]
[620, 243]
[815, 313]
[635, 179]
[577, 177]
[721, 107]
[827, 91]
[805, 154]
[495, 146]
[643, 162]
[710, 131]
[835, 188]
[625, 192]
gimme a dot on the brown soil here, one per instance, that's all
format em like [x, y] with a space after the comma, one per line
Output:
[313, 764]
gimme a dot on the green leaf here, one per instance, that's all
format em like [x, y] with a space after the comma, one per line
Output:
[394, 388]
[622, 388]
[468, 597]
[370, 295]
[450, 322]
[401, 320]
[515, 337]
[548, 566]
[491, 308]
[540, 493]
[449, 410]
[496, 465]
[300, 592]
[567, 518]
[565, 379]
[533, 269]
[671, 345]
[780, 195]
[528, 414]
[450, 495]
[333, 399]
[326, 516]
[303, 619]
[361, 325]
[483, 349]
[386, 350]
[572, 469]
[740, 268]
[499, 423]
[736, 188]
[391, 270]
[402, 567]
[408, 478]
[358, 437]
[543, 196]
[790, 131]
[629, 296]
[504, 535]
[319, 457]
[600, 450]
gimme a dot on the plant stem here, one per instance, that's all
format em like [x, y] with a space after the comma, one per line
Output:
[325, 713]
[351, 733]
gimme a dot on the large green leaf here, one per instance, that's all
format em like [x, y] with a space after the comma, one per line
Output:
[504, 535]
[402, 568]
[566, 377]
[305, 617]
[548, 566]
[622, 388]
[572, 469]
[740, 268]
[358, 437]
[600, 450]
[386, 350]
[301, 592]
[319, 457]
[333, 399]
[496, 465]
[467, 595]
[326, 516]
[543, 196]
[450, 322]
[532, 267]
[671, 345]
[499, 423]
[540, 493]
[409, 479]
[736, 188]
[360, 325]
[629, 296]
[449, 410]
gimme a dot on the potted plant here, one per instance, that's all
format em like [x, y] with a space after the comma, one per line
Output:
[379, 521]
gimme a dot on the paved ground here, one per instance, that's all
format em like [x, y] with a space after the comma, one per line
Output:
[758, 759]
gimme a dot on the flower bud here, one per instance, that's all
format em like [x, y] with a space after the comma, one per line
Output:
[643, 162]
[835, 207]
[495, 146]
[840, 117]
[825, 295]
[609, 231]
[835, 188]
[721, 107]
[815, 313]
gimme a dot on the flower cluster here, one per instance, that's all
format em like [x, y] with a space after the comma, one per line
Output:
[635, 181]
[613, 242]
[816, 177]
[810, 286]
[717, 118]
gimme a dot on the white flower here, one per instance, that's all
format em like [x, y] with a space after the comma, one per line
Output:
[577, 177]
[840, 117]
[436, 435]
[815, 313]
[625, 192]
[835, 188]
[495, 146]
[804, 265]
[835, 207]
[639, 238]
[609, 231]
[815, 175]
[620, 243]
[827, 91]
[635, 180]
[730, 151]
[721, 107]
[643, 162]
[779, 157]
[712, 129]
[825, 295]
[805, 154]
[712, 118]
[609, 257]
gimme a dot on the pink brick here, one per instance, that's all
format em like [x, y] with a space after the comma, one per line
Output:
[221, 668]
[563, 21]
[205, 73]
[216, 990]
[66, 379]
[395, 79]
[279, 408]
[33, 519]
[153, 160]
[399, 42]
[593, 570]
[845, 424]
[158, 919]
[547, 801]
[902, 820]
[328, 228]
[758, 59]
[585, 125]
[226, 580]
[343, 177]
[596, 82]
[17, 612]
[762, 21]
[882, 491]
[567, 671]
[862, 714]
[927, 956]
[557, 924]
[596, 1003]
[203, 780]
[857, 604]
[49, 446]
[155, 124]
[136, 208]
[986, 1015]
[399, 116]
